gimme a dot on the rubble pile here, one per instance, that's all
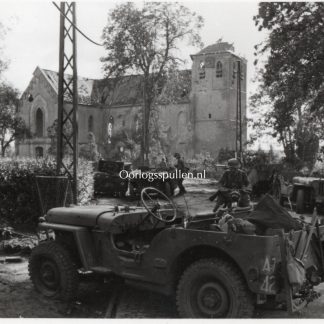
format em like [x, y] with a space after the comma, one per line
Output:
[14, 242]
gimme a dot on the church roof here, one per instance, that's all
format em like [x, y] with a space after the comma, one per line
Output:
[217, 47]
[127, 90]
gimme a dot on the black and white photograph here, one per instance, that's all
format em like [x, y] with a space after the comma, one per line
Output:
[161, 160]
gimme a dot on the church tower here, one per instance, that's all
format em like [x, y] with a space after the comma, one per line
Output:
[214, 98]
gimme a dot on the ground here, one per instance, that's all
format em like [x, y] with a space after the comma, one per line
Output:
[19, 299]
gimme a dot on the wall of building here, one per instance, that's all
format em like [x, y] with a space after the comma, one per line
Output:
[215, 101]
[84, 113]
[205, 123]
[44, 98]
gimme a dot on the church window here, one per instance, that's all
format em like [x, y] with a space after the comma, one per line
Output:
[136, 124]
[202, 72]
[39, 123]
[234, 70]
[219, 70]
[90, 124]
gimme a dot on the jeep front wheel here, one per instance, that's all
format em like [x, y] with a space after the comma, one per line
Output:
[53, 272]
[212, 288]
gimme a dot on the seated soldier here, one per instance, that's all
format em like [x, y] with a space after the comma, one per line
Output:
[233, 179]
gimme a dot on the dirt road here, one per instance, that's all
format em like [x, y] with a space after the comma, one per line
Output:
[18, 298]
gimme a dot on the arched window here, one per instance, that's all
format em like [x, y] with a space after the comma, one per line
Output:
[90, 124]
[136, 127]
[39, 123]
[234, 70]
[202, 72]
[219, 70]
[39, 152]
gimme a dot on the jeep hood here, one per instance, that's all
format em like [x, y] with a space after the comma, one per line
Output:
[78, 215]
[86, 215]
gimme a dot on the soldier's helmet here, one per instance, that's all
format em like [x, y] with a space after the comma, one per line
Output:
[176, 155]
[233, 163]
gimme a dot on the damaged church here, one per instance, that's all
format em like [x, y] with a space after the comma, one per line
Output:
[203, 119]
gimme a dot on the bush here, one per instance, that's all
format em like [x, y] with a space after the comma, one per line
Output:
[205, 162]
[85, 181]
[225, 154]
[19, 201]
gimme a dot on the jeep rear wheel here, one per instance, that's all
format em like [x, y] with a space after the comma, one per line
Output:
[53, 272]
[212, 288]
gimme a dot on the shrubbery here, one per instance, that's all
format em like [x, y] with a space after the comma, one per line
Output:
[19, 201]
[205, 162]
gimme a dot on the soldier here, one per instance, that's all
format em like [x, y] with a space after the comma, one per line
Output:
[180, 166]
[163, 164]
[232, 179]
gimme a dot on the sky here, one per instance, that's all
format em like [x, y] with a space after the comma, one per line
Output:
[34, 36]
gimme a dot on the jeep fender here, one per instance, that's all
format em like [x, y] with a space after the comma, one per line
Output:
[82, 238]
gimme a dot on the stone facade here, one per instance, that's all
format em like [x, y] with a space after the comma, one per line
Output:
[203, 120]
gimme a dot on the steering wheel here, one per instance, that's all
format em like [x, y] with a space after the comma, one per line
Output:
[155, 209]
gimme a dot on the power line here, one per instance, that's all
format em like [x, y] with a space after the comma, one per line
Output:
[85, 36]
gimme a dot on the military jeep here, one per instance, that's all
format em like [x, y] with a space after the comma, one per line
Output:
[107, 180]
[211, 273]
[308, 192]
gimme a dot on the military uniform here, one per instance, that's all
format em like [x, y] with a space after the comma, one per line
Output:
[163, 165]
[180, 166]
[232, 179]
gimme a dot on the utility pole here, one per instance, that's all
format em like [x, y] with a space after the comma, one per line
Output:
[239, 145]
[68, 90]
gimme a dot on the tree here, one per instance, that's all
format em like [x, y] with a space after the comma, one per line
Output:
[89, 151]
[145, 40]
[292, 76]
[176, 88]
[3, 63]
[52, 134]
[12, 127]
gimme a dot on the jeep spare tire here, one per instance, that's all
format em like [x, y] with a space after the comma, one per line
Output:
[300, 201]
[53, 272]
[212, 288]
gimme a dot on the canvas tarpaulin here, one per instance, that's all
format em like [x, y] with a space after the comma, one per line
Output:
[269, 214]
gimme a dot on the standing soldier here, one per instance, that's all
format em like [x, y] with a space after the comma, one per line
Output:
[163, 164]
[180, 166]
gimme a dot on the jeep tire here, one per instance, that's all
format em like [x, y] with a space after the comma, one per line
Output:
[53, 272]
[300, 201]
[213, 288]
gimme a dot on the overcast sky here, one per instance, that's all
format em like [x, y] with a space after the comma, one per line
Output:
[34, 36]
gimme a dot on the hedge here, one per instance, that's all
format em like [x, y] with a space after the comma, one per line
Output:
[19, 200]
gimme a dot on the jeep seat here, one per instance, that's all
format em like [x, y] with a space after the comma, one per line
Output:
[205, 214]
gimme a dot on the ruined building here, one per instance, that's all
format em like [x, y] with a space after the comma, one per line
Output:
[203, 118]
